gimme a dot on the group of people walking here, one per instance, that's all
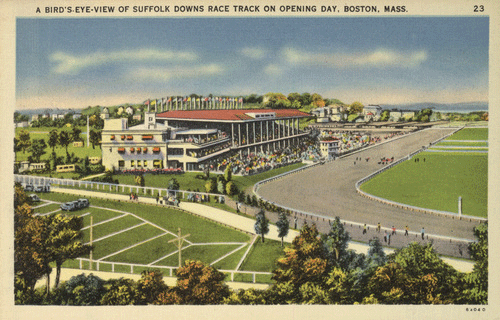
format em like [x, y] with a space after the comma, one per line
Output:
[388, 235]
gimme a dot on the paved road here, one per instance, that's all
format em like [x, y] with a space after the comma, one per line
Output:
[329, 190]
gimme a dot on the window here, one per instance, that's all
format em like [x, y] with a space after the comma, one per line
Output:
[156, 149]
[132, 163]
[112, 137]
[157, 164]
[145, 163]
[121, 163]
[121, 150]
[139, 163]
[130, 138]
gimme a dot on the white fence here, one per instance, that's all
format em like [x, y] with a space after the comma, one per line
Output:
[130, 266]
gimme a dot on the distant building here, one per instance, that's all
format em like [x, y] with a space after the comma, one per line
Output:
[129, 110]
[137, 117]
[105, 114]
[329, 147]
[372, 112]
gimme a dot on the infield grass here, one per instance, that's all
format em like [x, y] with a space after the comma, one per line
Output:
[437, 183]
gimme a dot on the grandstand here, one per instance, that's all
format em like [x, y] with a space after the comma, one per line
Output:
[191, 139]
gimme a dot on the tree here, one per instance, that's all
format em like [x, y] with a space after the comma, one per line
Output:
[53, 139]
[85, 290]
[283, 226]
[276, 100]
[475, 284]
[150, 286]
[317, 100]
[356, 107]
[197, 284]
[385, 115]
[31, 259]
[64, 140]
[211, 186]
[95, 138]
[228, 173]
[37, 149]
[336, 243]
[65, 240]
[173, 184]
[261, 224]
[24, 140]
[305, 263]
[231, 188]
[415, 275]
[139, 180]
[75, 134]
[119, 292]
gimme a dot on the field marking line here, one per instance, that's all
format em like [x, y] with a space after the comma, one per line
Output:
[85, 214]
[142, 219]
[168, 255]
[255, 237]
[132, 246]
[229, 253]
[118, 232]
[106, 221]
[217, 243]
[44, 204]
[46, 214]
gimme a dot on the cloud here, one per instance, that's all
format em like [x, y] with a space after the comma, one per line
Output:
[253, 53]
[380, 58]
[167, 74]
[273, 70]
[70, 64]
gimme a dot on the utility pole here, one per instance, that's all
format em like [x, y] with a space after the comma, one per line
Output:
[180, 240]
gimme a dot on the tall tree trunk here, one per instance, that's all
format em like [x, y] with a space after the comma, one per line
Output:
[48, 283]
[58, 274]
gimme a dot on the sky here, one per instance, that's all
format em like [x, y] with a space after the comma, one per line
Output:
[75, 63]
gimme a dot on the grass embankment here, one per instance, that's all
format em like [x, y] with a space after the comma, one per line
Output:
[212, 240]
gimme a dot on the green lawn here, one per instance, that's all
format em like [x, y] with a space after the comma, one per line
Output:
[263, 256]
[201, 231]
[470, 134]
[189, 180]
[437, 183]
[43, 133]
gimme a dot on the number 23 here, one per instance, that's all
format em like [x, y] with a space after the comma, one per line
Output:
[479, 8]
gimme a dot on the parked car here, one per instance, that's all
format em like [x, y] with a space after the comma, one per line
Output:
[68, 206]
[29, 187]
[82, 203]
[75, 205]
[34, 197]
[42, 189]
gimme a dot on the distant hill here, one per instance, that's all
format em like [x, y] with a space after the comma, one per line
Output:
[462, 107]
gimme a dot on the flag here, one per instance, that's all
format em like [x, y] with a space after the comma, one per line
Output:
[185, 99]
[153, 102]
[147, 102]
[169, 99]
[189, 99]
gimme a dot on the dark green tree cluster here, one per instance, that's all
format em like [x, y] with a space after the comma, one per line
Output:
[40, 241]
[319, 269]
[197, 284]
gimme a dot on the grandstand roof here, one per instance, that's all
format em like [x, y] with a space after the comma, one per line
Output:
[227, 115]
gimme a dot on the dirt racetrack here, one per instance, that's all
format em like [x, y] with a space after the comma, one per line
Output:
[329, 190]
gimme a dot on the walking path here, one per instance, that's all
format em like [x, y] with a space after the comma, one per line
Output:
[244, 223]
